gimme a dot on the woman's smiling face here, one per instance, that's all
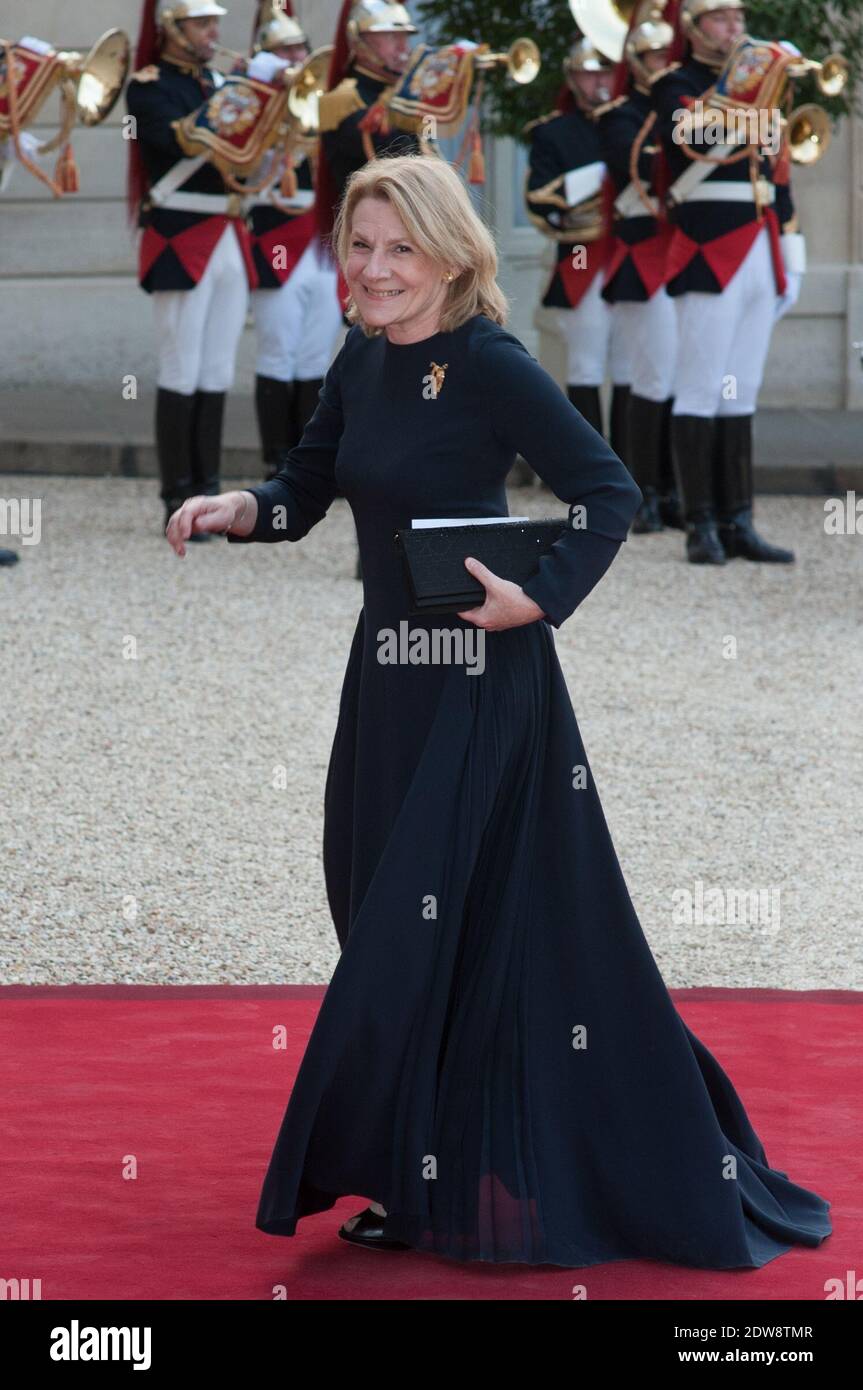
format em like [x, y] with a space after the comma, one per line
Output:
[393, 282]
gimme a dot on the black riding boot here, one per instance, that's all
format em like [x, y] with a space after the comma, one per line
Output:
[734, 493]
[175, 415]
[670, 508]
[692, 439]
[618, 422]
[274, 407]
[586, 400]
[207, 446]
[644, 436]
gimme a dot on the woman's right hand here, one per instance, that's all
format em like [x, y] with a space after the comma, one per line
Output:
[198, 514]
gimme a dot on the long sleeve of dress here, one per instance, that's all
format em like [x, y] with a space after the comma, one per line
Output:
[531, 415]
[304, 488]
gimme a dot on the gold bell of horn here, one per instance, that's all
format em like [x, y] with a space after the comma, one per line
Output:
[522, 60]
[100, 76]
[307, 86]
[832, 75]
[808, 133]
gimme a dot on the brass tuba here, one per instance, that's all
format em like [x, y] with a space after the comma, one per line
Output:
[605, 23]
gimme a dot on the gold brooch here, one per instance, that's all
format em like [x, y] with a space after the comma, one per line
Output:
[437, 375]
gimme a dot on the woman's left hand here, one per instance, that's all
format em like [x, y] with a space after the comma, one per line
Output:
[506, 604]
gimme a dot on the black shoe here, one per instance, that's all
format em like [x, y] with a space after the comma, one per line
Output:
[648, 518]
[9, 557]
[740, 540]
[367, 1228]
[586, 400]
[703, 546]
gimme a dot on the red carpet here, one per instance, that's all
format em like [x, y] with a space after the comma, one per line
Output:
[184, 1084]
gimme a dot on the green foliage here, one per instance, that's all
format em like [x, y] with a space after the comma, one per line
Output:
[816, 29]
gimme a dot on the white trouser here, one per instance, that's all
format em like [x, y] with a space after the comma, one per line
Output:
[199, 329]
[722, 339]
[297, 324]
[593, 341]
[649, 328]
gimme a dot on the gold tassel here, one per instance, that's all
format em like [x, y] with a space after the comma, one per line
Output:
[288, 185]
[476, 167]
[66, 170]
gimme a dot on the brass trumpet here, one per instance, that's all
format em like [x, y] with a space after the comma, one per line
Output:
[522, 60]
[233, 55]
[831, 75]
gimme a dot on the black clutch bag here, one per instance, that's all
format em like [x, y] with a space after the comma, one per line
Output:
[434, 559]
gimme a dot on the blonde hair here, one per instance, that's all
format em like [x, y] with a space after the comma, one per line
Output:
[435, 209]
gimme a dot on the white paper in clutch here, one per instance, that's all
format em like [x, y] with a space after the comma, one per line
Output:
[463, 520]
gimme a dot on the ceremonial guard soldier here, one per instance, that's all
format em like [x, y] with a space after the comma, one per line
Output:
[725, 271]
[372, 50]
[194, 258]
[296, 308]
[563, 194]
[635, 274]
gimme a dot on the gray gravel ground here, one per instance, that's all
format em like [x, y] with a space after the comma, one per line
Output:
[143, 839]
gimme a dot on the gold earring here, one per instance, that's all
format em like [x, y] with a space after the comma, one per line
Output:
[449, 276]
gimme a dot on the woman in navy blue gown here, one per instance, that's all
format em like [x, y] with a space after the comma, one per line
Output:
[497, 1065]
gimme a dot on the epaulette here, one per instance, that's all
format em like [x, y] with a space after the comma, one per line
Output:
[342, 101]
[608, 106]
[148, 74]
[663, 72]
[540, 120]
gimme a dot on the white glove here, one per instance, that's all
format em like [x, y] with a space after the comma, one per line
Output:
[792, 291]
[35, 45]
[9, 155]
[265, 67]
[794, 256]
